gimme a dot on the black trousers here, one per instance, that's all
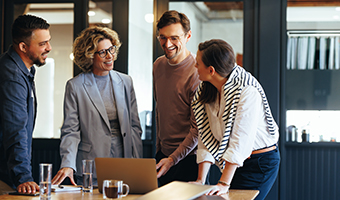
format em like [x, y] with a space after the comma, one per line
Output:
[185, 170]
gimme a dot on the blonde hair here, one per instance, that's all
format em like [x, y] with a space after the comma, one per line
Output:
[86, 44]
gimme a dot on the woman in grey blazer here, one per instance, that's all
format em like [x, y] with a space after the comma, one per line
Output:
[100, 108]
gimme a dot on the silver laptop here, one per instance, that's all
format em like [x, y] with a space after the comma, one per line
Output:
[177, 190]
[139, 173]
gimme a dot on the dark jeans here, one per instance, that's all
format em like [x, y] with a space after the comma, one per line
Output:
[259, 172]
[185, 170]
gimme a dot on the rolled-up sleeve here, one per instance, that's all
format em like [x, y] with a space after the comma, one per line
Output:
[203, 153]
[249, 112]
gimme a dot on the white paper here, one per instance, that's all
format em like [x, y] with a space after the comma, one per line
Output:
[65, 188]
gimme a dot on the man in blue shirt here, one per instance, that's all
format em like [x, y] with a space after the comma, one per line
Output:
[31, 44]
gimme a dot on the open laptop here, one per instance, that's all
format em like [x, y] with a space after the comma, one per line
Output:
[177, 190]
[139, 173]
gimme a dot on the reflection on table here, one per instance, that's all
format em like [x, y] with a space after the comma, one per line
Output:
[232, 195]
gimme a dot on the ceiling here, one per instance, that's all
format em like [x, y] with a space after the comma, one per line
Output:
[219, 6]
[62, 13]
[302, 3]
[226, 6]
[298, 10]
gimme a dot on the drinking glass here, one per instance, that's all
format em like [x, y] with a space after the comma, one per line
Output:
[87, 175]
[45, 171]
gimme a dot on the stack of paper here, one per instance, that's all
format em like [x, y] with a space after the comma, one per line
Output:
[65, 188]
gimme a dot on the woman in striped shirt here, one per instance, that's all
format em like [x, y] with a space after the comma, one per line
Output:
[236, 129]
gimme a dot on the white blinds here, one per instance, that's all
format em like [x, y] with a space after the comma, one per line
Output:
[313, 51]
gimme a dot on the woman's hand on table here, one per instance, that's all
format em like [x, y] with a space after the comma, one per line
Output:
[220, 189]
[197, 182]
[62, 174]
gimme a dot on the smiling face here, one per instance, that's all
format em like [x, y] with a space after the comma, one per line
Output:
[39, 47]
[102, 66]
[174, 42]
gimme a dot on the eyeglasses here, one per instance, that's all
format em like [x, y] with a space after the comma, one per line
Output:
[103, 53]
[173, 39]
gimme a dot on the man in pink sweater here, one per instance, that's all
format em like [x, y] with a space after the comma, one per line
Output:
[175, 80]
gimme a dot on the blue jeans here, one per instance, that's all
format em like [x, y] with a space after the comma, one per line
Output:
[259, 172]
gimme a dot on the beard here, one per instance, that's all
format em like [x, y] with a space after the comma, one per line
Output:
[36, 60]
[39, 64]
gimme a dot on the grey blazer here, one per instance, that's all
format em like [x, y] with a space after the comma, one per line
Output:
[85, 133]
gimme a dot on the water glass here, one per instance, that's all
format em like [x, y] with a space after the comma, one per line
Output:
[87, 175]
[45, 186]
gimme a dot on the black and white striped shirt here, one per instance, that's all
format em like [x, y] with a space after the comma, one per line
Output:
[238, 80]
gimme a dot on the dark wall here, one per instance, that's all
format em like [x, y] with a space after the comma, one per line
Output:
[312, 90]
[1, 25]
[313, 171]
[120, 23]
[264, 24]
[45, 151]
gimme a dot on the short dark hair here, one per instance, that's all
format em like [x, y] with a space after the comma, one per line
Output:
[220, 55]
[173, 17]
[24, 25]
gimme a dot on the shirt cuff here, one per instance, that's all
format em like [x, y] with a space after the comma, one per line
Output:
[233, 157]
[24, 178]
[203, 155]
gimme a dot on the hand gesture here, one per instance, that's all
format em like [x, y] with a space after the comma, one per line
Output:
[62, 174]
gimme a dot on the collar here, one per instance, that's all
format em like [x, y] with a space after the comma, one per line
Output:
[31, 73]
[21, 65]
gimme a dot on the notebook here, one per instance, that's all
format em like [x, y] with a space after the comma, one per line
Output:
[177, 190]
[139, 173]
